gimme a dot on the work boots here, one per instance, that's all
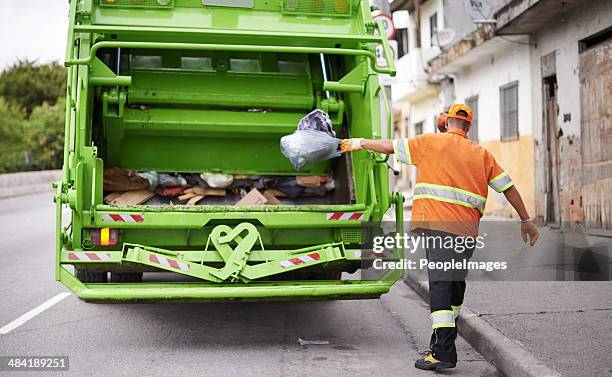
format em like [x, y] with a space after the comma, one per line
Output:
[431, 363]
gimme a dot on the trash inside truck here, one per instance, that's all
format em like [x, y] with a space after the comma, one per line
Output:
[174, 185]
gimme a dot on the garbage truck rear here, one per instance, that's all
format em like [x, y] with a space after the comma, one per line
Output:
[209, 87]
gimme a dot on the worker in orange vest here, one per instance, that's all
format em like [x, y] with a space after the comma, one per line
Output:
[453, 176]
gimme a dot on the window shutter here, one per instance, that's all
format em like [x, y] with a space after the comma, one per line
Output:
[509, 111]
[473, 103]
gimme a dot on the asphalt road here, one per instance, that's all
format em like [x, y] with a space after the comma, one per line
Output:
[366, 337]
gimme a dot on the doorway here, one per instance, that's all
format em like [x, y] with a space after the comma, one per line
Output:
[551, 136]
[596, 129]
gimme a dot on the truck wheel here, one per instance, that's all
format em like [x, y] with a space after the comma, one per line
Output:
[86, 276]
[326, 275]
[126, 277]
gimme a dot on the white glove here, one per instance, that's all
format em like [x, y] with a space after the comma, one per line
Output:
[351, 145]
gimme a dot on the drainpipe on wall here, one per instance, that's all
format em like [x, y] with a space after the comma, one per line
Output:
[417, 13]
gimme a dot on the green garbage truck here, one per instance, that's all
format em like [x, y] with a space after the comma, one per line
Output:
[209, 87]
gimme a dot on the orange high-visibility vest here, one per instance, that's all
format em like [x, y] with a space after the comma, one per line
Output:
[453, 175]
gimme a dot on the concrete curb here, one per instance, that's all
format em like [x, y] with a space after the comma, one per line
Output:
[508, 356]
[27, 183]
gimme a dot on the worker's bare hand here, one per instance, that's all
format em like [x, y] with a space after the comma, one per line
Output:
[529, 232]
[350, 145]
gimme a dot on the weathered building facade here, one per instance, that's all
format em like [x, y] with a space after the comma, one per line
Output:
[538, 75]
[571, 60]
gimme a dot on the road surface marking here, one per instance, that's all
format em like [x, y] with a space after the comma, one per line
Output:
[33, 313]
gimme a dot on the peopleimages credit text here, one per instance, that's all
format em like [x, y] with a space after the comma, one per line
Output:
[411, 243]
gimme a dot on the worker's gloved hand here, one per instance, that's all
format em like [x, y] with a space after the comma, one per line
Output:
[351, 145]
[529, 230]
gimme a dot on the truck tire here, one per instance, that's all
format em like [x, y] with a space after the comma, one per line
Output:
[86, 276]
[126, 277]
[306, 275]
[326, 275]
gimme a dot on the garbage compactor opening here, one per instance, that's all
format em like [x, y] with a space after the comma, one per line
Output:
[214, 121]
[124, 187]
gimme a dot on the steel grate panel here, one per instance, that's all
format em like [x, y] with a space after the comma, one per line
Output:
[137, 3]
[351, 236]
[318, 7]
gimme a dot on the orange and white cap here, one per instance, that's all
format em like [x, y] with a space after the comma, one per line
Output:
[454, 109]
[441, 122]
[442, 119]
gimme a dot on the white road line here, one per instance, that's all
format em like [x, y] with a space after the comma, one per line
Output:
[33, 313]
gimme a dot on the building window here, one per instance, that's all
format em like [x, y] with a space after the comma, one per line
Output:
[473, 103]
[433, 29]
[508, 106]
[418, 128]
[401, 35]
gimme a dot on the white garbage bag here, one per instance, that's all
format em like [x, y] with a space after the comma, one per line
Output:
[305, 147]
[317, 120]
[217, 180]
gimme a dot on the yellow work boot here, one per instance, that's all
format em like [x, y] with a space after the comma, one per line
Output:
[431, 363]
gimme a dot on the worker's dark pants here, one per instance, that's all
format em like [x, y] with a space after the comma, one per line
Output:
[446, 289]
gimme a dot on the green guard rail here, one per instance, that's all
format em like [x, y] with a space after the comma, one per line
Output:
[390, 69]
[380, 90]
[386, 48]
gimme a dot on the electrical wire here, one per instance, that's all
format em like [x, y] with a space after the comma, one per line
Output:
[501, 36]
[517, 42]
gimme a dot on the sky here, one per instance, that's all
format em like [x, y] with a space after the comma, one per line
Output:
[32, 29]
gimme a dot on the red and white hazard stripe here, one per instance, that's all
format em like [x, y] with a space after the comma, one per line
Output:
[345, 216]
[122, 218]
[89, 256]
[158, 259]
[312, 257]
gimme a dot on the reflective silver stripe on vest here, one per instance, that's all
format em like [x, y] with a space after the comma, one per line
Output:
[442, 318]
[402, 151]
[448, 194]
[456, 310]
[501, 183]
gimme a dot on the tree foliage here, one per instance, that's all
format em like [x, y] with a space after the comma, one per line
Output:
[32, 111]
[44, 135]
[28, 84]
[13, 152]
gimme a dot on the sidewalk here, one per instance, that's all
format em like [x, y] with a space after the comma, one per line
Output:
[565, 324]
[27, 183]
